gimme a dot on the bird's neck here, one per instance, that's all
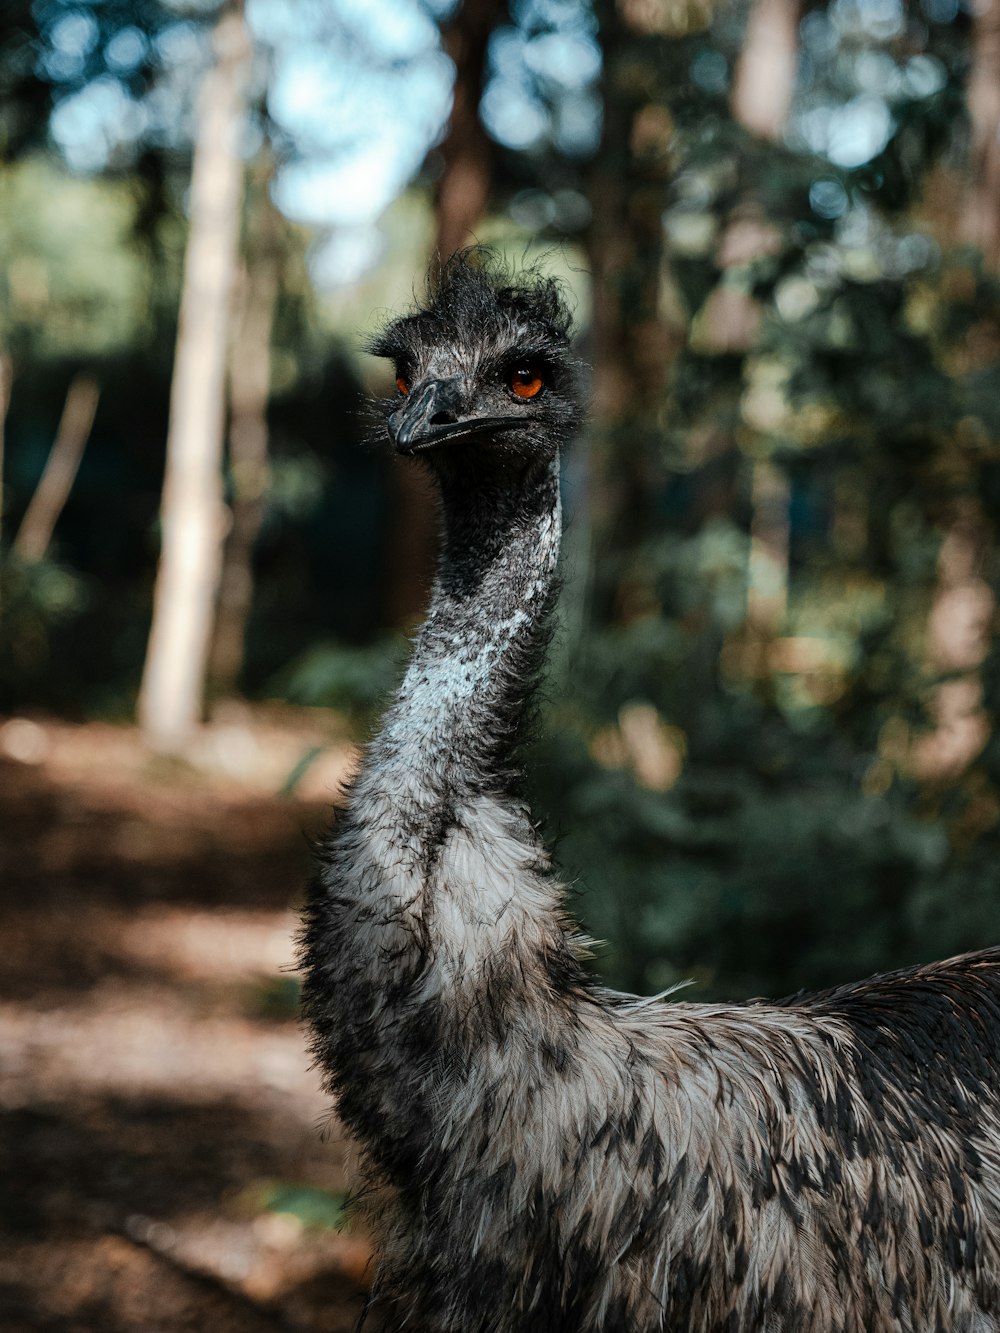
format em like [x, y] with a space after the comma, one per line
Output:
[460, 712]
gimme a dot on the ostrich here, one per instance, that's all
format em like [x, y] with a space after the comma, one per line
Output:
[542, 1154]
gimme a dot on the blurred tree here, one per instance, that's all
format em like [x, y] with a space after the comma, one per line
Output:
[171, 697]
[249, 391]
[52, 492]
[468, 154]
[763, 90]
[765, 74]
[981, 215]
[5, 378]
[636, 330]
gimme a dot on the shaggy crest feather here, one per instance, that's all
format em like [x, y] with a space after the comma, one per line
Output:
[540, 1153]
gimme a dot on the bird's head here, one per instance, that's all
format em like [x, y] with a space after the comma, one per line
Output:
[483, 371]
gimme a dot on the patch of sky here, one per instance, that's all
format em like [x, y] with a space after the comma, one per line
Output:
[126, 50]
[531, 14]
[876, 72]
[70, 42]
[345, 255]
[923, 76]
[570, 60]
[89, 125]
[181, 44]
[393, 31]
[849, 134]
[513, 116]
[828, 198]
[169, 115]
[880, 20]
[361, 107]
[542, 83]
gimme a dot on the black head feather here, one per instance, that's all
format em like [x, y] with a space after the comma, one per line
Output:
[462, 357]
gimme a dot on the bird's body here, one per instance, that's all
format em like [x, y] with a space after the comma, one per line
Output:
[539, 1153]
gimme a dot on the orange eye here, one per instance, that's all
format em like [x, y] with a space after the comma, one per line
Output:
[403, 385]
[525, 382]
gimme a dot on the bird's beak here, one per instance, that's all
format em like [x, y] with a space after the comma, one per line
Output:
[436, 413]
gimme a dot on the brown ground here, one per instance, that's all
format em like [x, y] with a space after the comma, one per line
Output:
[157, 1112]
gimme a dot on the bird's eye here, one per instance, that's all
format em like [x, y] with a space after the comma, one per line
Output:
[403, 385]
[525, 382]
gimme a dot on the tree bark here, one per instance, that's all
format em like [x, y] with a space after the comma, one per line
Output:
[958, 640]
[56, 481]
[981, 216]
[636, 338]
[764, 81]
[192, 513]
[463, 192]
[763, 90]
[249, 391]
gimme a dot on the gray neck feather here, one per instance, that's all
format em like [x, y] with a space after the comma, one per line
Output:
[459, 711]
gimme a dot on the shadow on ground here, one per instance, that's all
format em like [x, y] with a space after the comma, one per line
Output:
[155, 1094]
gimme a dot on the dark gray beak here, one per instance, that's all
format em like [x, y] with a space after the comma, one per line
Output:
[435, 413]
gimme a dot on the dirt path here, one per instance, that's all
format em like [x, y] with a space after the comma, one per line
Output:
[161, 1166]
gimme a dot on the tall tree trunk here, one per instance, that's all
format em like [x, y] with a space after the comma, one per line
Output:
[981, 215]
[56, 481]
[958, 640]
[963, 607]
[192, 514]
[249, 390]
[463, 192]
[764, 80]
[767, 581]
[763, 90]
[636, 339]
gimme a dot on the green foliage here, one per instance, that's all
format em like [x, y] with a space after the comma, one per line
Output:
[72, 284]
[276, 999]
[316, 1209]
[739, 796]
[37, 598]
[354, 680]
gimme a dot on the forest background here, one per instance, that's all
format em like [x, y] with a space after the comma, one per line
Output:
[770, 754]
[770, 750]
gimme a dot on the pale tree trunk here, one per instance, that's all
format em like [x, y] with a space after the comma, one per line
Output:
[249, 390]
[958, 640]
[767, 582]
[763, 90]
[193, 514]
[764, 79]
[981, 214]
[959, 624]
[56, 481]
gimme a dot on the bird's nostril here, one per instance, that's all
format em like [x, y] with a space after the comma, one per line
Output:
[443, 418]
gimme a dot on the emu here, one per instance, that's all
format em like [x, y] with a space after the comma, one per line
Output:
[542, 1154]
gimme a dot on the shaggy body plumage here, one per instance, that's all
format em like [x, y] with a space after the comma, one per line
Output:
[542, 1154]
